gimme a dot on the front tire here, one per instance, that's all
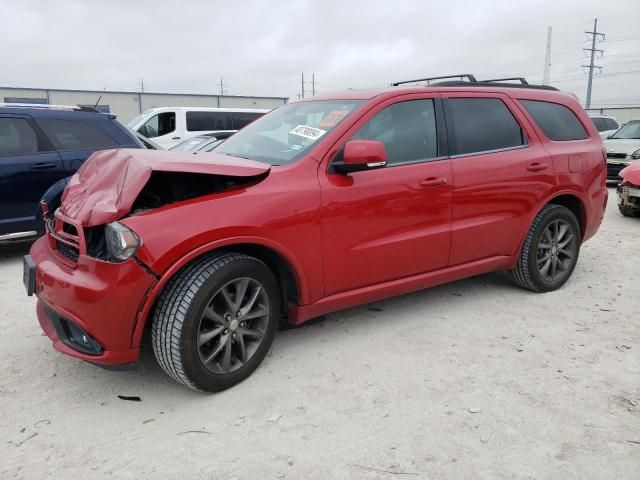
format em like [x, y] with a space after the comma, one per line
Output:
[215, 321]
[550, 250]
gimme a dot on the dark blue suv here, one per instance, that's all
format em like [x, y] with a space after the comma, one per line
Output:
[40, 148]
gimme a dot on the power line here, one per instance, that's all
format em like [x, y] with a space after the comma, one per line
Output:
[594, 36]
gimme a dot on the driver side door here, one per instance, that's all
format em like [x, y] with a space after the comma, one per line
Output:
[394, 222]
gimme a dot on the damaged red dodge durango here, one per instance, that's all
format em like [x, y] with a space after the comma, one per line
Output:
[320, 205]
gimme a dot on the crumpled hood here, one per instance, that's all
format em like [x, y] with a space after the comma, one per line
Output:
[632, 172]
[107, 184]
[622, 145]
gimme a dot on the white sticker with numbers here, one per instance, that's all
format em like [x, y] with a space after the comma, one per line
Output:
[308, 132]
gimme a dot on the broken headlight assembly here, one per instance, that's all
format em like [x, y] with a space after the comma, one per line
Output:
[121, 242]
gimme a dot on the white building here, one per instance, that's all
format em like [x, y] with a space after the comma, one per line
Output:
[127, 105]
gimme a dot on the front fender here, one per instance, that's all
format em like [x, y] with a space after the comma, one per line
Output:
[52, 196]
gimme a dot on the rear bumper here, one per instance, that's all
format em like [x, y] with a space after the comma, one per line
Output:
[100, 298]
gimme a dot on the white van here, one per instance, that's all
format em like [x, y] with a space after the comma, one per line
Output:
[168, 126]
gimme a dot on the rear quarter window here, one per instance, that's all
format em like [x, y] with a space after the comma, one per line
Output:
[75, 135]
[556, 121]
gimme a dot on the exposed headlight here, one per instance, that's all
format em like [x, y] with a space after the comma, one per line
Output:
[121, 242]
[636, 155]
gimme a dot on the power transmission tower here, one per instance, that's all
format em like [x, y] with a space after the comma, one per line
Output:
[594, 36]
[312, 82]
[547, 60]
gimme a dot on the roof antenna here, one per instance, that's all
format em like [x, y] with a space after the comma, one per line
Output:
[97, 102]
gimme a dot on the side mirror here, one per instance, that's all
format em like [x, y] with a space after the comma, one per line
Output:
[362, 155]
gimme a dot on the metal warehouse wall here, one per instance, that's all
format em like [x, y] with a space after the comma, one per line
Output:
[622, 114]
[127, 105]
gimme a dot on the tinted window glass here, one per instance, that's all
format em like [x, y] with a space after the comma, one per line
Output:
[407, 129]
[17, 137]
[611, 124]
[556, 121]
[73, 135]
[159, 125]
[201, 121]
[242, 119]
[630, 131]
[482, 124]
[601, 124]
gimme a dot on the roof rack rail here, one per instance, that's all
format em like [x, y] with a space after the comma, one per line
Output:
[470, 78]
[47, 106]
[522, 80]
[471, 81]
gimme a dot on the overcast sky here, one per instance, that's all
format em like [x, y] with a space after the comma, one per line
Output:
[261, 47]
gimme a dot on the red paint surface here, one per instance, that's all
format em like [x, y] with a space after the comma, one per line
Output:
[632, 173]
[348, 239]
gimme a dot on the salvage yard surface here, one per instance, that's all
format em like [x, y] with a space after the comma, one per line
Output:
[472, 380]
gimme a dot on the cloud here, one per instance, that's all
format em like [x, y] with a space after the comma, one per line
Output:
[261, 47]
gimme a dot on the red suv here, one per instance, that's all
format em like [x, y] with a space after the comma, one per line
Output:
[320, 205]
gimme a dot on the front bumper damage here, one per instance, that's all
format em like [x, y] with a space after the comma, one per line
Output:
[87, 307]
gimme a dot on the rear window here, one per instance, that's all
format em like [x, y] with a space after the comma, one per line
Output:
[74, 135]
[556, 121]
[481, 125]
[205, 121]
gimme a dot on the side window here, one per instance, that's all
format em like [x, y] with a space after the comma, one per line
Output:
[481, 125]
[407, 129]
[75, 135]
[242, 119]
[202, 121]
[159, 125]
[17, 137]
[600, 123]
[556, 121]
[611, 124]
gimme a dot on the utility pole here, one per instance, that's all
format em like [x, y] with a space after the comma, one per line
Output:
[302, 83]
[547, 60]
[221, 87]
[313, 84]
[594, 35]
[142, 85]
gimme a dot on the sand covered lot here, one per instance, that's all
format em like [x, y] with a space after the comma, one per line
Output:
[472, 380]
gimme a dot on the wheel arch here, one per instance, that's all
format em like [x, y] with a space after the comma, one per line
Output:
[289, 276]
[573, 203]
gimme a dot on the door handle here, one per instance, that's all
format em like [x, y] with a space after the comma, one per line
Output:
[433, 181]
[43, 166]
[537, 167]
[175, 138]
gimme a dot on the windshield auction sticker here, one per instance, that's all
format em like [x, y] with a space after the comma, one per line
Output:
[331, 119]
[308, 132]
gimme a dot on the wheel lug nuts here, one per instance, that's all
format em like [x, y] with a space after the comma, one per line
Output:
[233, 335]
[225, 331]
[238, 314]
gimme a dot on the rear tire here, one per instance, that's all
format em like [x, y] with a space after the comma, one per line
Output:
[215, 321]
[629, 211]
[550, 250]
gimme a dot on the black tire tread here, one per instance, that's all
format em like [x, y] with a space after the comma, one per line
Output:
[521, 275]
[629, 211]
[172, 306]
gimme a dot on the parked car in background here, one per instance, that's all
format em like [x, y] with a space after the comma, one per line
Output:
[41, 146]
[623, 148]
[148, 144]
[605, 124]
[203, 143]
[169, 126]
[322, 204]
[629, 191]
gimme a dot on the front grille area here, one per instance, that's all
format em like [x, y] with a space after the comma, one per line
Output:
[72, 253]
[616, 155]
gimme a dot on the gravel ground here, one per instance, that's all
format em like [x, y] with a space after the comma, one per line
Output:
[472, 380]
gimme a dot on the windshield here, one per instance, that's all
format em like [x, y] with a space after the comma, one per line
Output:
[190, 144]
[629, 131]
[285, 134]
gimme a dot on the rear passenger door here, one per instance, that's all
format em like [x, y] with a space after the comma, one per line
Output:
[501, 172]
[29, 165]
